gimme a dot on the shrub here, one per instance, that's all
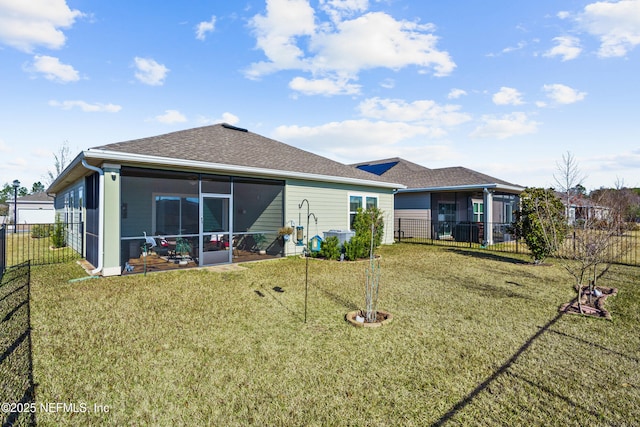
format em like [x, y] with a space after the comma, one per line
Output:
[355, 249]
[540, 222]
[330, 248]
[360, 245]
[58, 235]
[40, 231]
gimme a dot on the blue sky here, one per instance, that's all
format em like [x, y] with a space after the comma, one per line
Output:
[502, 87]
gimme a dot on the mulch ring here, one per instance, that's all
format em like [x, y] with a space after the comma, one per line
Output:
[595, 308]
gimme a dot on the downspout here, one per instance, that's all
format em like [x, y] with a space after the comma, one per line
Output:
[100, 216]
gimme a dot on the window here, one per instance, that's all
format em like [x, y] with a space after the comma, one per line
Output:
[478, 212]
[358, 201]
[176, 215]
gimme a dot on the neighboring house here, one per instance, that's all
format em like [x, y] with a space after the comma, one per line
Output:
[456, 202]
[582, 209]
[34, 208]
[218, 192]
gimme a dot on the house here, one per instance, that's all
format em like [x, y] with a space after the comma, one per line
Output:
[453, 203]
[210, 195]
[582, 209]
[34, 208]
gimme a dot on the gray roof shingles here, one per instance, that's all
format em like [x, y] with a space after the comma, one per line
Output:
[224, 144]
[416, 176]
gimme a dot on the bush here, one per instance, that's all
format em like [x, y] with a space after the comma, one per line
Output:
[40, 231]
[355, 249]
[330, 248]
[58, 235]
[360, 245]
[540, 222]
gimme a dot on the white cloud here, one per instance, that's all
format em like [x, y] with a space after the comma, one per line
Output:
[276, 34]
[388, 83]
[205, 27]
[421, 111]
[505, 126]
[226, 117]
[507, 96]
[562, 94]
[346, 140]
[171, 117]
[616, 24]
[325, 87]
[567, 47]
[86, 107]
[456, 93]
[293, 37]
[27, 24]
[374, 40]
[53, 69]
[340, 9]
[150, 72]
[519, 46]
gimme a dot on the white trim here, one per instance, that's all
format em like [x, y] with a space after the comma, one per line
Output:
[463, 187]
[112, 271]
[235, 169]
[364, 203]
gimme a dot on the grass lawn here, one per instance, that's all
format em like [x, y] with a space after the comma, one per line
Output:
[476, 340]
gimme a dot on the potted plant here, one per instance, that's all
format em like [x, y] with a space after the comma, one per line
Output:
[285, 232]
[183, 250]
[260, 240]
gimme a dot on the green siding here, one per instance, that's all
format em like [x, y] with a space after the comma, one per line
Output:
[330, 204]
[111, 263]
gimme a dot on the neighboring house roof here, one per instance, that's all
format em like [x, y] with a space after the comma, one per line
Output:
[579, 201]
[420, 178]
[39, 198]
[229, 149]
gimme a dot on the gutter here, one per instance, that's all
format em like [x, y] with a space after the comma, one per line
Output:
[464, 187]
[99, 267]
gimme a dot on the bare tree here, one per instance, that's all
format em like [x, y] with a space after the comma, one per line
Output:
[594, 244]
[569, 178]
[61, 159]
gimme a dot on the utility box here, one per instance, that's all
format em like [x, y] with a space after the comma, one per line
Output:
[342, 235]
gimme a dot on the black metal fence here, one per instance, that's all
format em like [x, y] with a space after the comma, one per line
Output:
[42, 244]
[17, 394]
[623, 249]
[3, 252]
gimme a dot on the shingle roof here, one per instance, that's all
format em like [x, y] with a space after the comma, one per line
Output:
[40, 197]
[229, 145]
[416, 176]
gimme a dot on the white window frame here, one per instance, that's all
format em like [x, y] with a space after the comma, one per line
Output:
[363, 199]
[478, 216]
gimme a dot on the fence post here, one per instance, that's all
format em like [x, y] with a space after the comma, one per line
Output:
[399, 230]
[3, 250]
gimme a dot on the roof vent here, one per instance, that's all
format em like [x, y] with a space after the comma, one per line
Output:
[228, 126]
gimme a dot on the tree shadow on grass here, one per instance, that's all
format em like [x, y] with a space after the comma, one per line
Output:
[501, 370]
[493, 256]
[349, 305]
[598, 346]
[274, 294]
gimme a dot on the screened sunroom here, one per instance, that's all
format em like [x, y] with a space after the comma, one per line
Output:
[192, 219]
